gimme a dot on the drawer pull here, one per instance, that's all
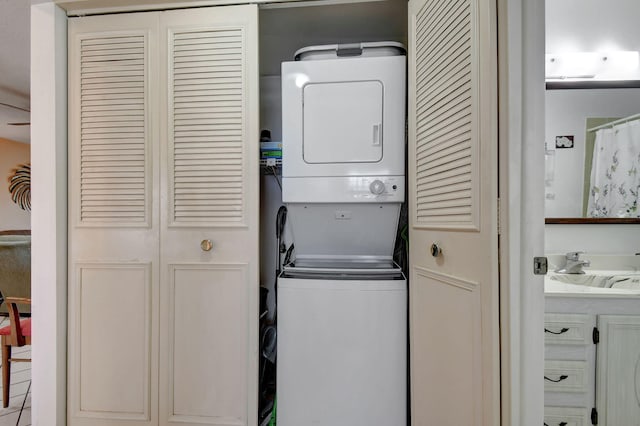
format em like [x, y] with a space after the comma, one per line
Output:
[562, 331]
[563, 377]
[559, 424]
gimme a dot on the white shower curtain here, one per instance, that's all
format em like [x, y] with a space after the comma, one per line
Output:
[614, 174]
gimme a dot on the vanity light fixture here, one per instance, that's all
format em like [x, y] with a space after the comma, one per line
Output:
[593, 66]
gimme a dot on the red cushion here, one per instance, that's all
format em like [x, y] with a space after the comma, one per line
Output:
[25, 325]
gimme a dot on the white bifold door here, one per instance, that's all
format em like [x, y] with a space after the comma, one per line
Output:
[453, 154]
[163, 244]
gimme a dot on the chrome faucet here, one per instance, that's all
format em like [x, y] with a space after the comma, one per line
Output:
[573, 264]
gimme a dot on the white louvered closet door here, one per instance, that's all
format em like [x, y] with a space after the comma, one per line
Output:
[209, 229]
[113, 221]
[453, 209]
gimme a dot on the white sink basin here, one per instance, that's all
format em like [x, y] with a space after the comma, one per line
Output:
[581, 279]
[604, 279]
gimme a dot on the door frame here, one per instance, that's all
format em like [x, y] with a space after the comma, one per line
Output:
[49, 212]
[521, 214]
[521, 130]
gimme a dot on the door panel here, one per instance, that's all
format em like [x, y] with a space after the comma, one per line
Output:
[113, 230]
[448, 315]
[209, 222]
[618, 381]
[208, 367]
[114, 349]
[453, 197]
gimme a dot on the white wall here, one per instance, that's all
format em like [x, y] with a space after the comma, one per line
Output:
[566, 113]
[586, 26]
[12, 154]
[592, 25]
[270, 193]
[593, 239]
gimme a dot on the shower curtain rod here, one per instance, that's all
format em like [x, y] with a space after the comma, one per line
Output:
[613, 123]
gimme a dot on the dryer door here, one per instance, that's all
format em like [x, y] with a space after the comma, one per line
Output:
[342, 122]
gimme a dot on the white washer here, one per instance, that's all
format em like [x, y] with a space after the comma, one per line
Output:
[342, 349]
[343, 120]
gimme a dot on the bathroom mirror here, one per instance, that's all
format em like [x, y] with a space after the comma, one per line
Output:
[593, 77]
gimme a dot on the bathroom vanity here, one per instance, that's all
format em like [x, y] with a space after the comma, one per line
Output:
[592, 346]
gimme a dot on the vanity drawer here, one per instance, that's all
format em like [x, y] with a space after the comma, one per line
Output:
[566, 376]
[568, 329]
[567, 416]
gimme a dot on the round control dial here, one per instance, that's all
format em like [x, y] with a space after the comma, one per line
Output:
[376, 187]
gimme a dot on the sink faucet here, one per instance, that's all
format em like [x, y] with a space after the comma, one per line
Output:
[573, 264]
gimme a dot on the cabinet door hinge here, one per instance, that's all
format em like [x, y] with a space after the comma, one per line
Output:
[540, 265]
[596, 335]
[594, 416]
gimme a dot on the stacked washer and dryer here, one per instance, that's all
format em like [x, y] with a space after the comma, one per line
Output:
[342, 303]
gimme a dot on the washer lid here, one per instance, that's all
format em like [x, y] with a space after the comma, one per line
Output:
[343, 269]
[366, 49]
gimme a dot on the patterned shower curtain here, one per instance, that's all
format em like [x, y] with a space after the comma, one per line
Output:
[614, 174]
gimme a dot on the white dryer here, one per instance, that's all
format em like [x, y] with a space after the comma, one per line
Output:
[343, 149]
[343, 120]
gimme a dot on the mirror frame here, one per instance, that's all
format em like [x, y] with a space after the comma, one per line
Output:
[591, 220]
[591, 84]
[568, 85]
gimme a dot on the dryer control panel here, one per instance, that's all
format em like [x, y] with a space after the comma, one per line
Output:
[353, 189]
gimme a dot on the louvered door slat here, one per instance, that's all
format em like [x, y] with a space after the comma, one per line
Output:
[453, 187]
[439, 32]
[97, 81]
[434, 136]
[229, 80]
[454, 151]
[444, 182]
[111, 51]
[113, 139]
[437, 9]
[205, 188]
[433, 83]
[455, 137]
[106, 40]
[116, 94]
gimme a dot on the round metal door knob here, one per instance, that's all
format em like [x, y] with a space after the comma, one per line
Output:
[206, 245]
[435, 250]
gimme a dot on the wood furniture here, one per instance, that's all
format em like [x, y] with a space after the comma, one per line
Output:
[16, 334]
[592, 348]
[569, 369]
[16, 232]
[15, 266]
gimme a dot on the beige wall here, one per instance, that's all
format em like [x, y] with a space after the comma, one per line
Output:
[12, 154]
